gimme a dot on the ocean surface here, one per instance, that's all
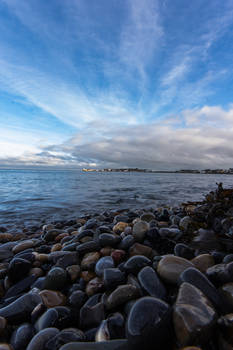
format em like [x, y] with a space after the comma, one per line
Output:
[30, 197]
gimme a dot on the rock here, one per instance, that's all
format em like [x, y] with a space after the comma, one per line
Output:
[120, 218]
[227, 292]
[18, 269]
[139, 230]
[77, 299]
[228, 258]
[56, 247]
[126, 242]
[225, 325]
[67, 335]
[88, 247]
[136, 263]
[22, 246]
[121, 295]
[89, 260]
[170, 233]
[120, 344]
[149, 323]
[4, 346]
[52, 298]
[20, 287]
[103, 263]
[87, 275]
[20, 309]
[194, 317]
[183, 251]
[36, 271]
[185, 223]
[55, 279]
[147, 217]
[108, 239]
[220, 274]
[120, 227]
[203, 262]
[151, 283]
[94, 286]
[111, 328]
[91, 315]
[170, 267]
[22, 336]
[5, 254]
[118, 255]
[50, 235]
[59, 317]
[71, 258]
[40, 339]
[140, 249]
[113, 277]
[3, 324]
[200, 281]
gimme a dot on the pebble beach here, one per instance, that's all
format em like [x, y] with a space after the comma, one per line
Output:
[121, 280]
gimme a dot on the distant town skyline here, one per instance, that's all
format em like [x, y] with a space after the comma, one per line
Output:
[116, 83]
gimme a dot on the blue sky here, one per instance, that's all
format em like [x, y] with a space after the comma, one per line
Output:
[87, 83]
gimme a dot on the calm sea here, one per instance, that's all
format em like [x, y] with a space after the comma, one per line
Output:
[31, 197]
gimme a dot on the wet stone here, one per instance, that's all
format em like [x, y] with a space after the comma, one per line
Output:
[228, 258]
[194, 316]
[67, 335]
[149, 323]
[20, 287]
[227, 292]
[88, 247]
[139, 230]
[170, 267]
[170, 233]
[107, 239]
[102, 264]
[136, 263]
[151, 283]
[3, 324]
[73, 272]
[120, 344]
[77, 299]
[51, 235]
[55, 279]
[147, 217]
[140, 249]
[68, 260]
[91, 315]
[39, 340]
[121, 295]
[22, 246]
[87, 275]
[203, 262]
[20, 310]
[118, 256]
[4, 346]
[126, 242]
[52, 298]
[220, 274]
[120, 227]
[113, 277]
[89, 260]
[94, 286]
[200, 281]
[183, 251]
[22, 336]
[18, 269]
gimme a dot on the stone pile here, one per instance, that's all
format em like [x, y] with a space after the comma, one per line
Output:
[159, 279]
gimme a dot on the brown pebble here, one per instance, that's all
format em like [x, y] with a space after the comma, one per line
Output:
[73, 272]
[106, 251]
[60, 236]
[52, 298]
[86, 239]
[203, 262]
[94, 286]
[3, 323]
[87, 275]
[56, 247]
[73, 233]
[140, 249]
[42, 258]
[118, 255]
[6, 237]
[120, 227]
[36, 263]
[89, 260]
[22, 246]
[81, 221]
[5, 346]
